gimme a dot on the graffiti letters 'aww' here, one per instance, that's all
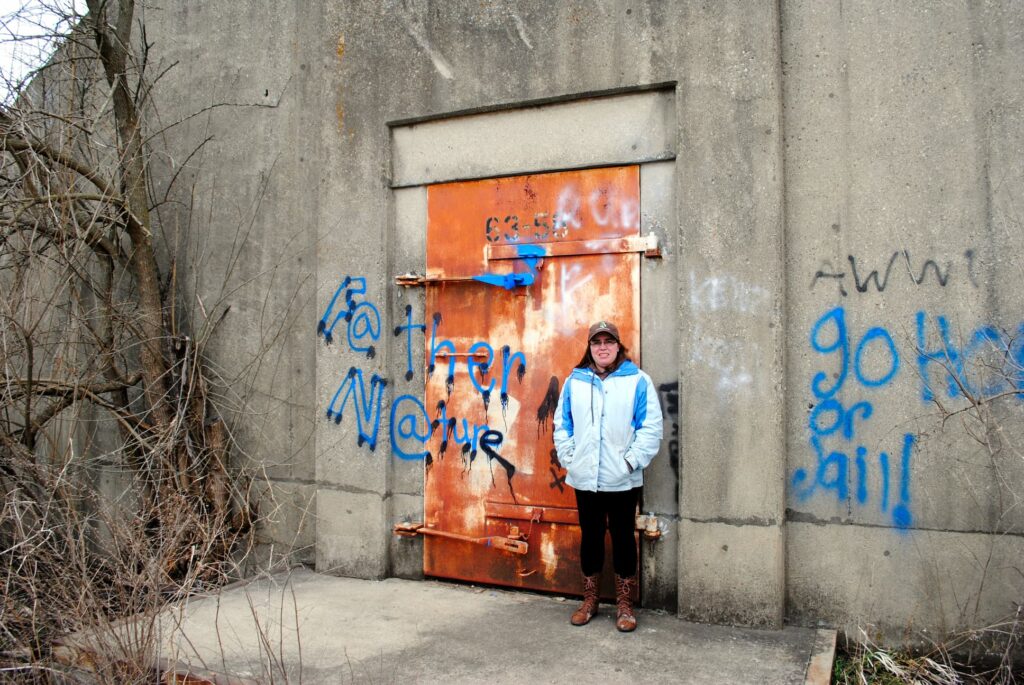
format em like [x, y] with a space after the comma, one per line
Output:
[900, 265]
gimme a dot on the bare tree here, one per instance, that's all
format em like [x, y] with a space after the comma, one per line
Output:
[102, 378]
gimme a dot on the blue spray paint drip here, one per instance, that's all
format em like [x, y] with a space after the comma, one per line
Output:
[530, 255]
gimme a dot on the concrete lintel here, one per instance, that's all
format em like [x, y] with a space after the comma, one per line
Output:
[619, 129]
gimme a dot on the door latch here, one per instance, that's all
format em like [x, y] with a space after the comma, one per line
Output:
[411, 530]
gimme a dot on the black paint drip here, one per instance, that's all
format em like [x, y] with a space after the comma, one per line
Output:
[437, 322]
[447, 434]
[485, 395]
[490, 441]
[546, 410]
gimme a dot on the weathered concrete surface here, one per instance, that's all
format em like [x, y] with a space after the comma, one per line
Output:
[815, 143]
[904, 133]
[231, 166]
[731, 315]
[342, 630]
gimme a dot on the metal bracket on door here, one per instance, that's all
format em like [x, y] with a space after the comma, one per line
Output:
[410, 530]
[648, 244]
[648, 525]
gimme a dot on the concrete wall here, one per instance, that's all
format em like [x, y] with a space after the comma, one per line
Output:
[811, 144]
[233, 158]
[903, 141]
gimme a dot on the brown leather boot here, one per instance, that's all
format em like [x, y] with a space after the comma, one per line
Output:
[625, 620]
[588, 610]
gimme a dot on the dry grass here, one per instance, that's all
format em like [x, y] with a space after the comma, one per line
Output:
[989, 656]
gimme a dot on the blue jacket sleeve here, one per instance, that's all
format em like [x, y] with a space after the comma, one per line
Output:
[647, 425]
[565, 443]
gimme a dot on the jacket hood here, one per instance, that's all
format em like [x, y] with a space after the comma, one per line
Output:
[626, 368]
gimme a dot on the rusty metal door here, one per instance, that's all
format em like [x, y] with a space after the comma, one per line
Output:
[517, 268]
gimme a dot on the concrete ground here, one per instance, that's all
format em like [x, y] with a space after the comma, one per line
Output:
[322, 629]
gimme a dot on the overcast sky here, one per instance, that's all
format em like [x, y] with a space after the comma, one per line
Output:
[26, 32]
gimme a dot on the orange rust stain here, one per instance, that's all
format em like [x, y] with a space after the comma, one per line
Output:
[339, 108]
[523, 342]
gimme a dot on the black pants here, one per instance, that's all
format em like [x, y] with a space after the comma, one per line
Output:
[614, 511]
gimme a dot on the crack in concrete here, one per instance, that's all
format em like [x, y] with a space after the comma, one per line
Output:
[804, 517]
[749, 521]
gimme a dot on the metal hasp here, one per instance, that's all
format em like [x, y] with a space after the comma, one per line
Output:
[648, 244]
[411, 530]
[531, 254]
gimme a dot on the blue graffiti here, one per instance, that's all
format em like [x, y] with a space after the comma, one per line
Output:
[410, 423]
[507, 360]
[410, 426]
[414, 424]
[470, 442]
[448, 346]
[482, 368]
[367, 405]
[841, 344]
[830, 419]
[531, 256]
[409, 327]
[361, 318]
[954, 364]
[832, 474]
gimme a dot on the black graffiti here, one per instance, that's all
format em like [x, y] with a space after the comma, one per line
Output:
[437, 322]
[669, 393]
[557, 481]
[546, 410]
[433, 427]
[556, 466]
[507, 358]
[864, 278]
[490, 441]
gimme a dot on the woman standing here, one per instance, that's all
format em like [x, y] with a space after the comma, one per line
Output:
[607, 429]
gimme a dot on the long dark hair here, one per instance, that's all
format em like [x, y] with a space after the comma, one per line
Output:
[587, 361]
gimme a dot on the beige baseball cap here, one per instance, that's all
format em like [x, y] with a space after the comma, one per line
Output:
[604, 327]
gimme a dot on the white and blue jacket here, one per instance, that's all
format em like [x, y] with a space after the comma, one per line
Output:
[604, 427]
